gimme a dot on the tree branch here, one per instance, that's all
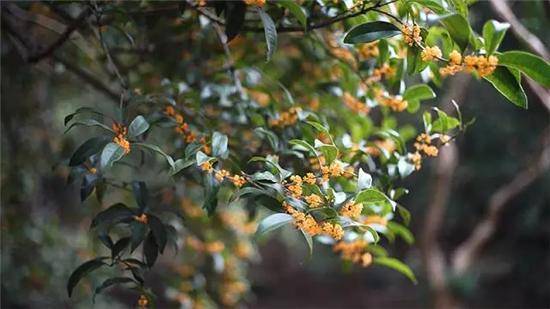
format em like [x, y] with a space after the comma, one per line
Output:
[88, 78]
[282, 29]
[532, 41]
[446, 163]
[62, 38]
[468, 251]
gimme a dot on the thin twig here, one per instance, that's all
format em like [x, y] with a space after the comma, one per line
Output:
[88, 78]
[230, 62]
[62, 38]
[99, 35]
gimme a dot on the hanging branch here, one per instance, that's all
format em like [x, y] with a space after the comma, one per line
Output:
[468, 251]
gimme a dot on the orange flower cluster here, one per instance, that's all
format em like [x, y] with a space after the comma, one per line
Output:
[411, 36]
[243, 250]
[431, 53]
[416, 160]
[237, 220]
[231, 291]
[395, 103]
[375, 219]
[314, 104]
[207, 167]
[143, 301]
[354, 252]
[333, 230]
[191, 209]
[182, 127]
[377, 74]
[484, 66]
[333, 170]
[423, 143]
[314, 200]
[344, 55]
[386, 144]
[286, 119]
[261, 98]
[237, 180]
[120, 137]
[214, 247]
[349, 172]
[142, 218]
[351, 210]
[308, 224]
[310, 178]
[296, 187]
[454, 66]
[369, 50]
[354, 104]
[199, 246]
[259, 3]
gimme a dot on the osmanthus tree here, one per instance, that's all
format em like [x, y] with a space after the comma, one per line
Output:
[312, 110]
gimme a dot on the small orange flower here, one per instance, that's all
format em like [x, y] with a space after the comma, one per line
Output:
[142, 218]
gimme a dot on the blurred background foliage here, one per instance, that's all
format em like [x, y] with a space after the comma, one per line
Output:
[45, 227]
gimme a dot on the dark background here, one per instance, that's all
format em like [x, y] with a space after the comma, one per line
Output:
[44, 232]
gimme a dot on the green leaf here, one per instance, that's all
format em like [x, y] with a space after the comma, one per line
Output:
[458, 28]
[201, 158]
[138, 230]
[418, 92]
[414, 60]
[219, 144]
[330, 152]
[508, 85]
[87, 149]
[81, 110]
[319, 127]
[370, 32]
[405, 214]
[364, 180]
[270, 31]
[271, 137]
[82, 271]
[157, 149]
[150, 250]
[87, 186]
[119, 246]
[402, 231]
[404, 167]
[159, 232]
[295, 9]
[533, 66]
[116, 213]
[396, 265]
[433, 5]
[181, 164]
[493, 33]
[264, 176]
[138, 126]
[88, 123]
[111, 153]
[273, 222]
[211, 195]
[309, 241]
[303, 144]
[444, 123]
[374, 196]
[110, 282]
[139, 188]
